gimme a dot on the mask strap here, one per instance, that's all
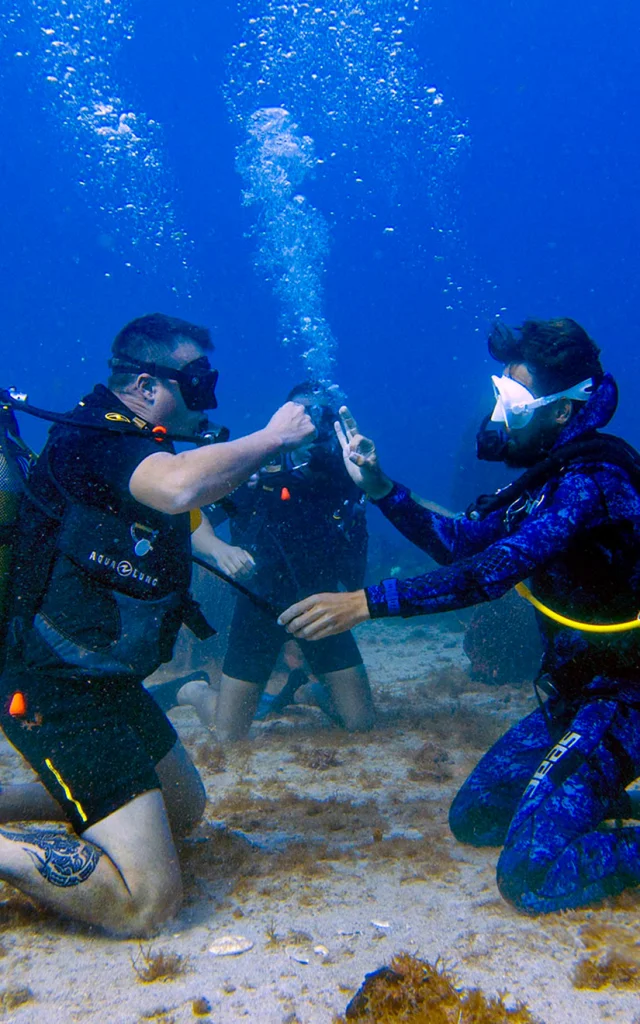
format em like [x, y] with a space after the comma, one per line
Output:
[579, 392]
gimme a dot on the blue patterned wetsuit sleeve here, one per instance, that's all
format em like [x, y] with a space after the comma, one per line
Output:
[577, 504]
[445, 537]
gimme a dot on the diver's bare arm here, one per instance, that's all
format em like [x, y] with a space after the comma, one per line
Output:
[205, 542]
[189, 480]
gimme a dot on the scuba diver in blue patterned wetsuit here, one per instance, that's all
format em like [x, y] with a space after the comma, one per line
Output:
[552, 790]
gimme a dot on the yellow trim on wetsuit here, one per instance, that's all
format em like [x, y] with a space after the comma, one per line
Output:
[586, 627]
[195, 519]
[67, 791]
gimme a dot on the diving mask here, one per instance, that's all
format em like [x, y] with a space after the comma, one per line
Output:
[196, 381]
[515, 405]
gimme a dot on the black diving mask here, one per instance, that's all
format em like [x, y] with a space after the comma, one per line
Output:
[197, 380]
[323, 417]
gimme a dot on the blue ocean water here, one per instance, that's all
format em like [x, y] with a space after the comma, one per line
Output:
[440, 164]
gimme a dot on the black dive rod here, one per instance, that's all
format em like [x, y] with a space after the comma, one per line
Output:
[17, 401]
[260, 602]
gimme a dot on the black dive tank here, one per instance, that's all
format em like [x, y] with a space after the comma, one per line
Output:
[10, 489]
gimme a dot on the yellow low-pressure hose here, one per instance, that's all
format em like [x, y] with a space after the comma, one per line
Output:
[586, 627]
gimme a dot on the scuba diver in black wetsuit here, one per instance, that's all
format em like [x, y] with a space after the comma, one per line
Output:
[99, 587]
[296, 525]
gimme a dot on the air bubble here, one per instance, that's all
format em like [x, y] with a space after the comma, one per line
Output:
[352, 80]
[292, 236]
[76, 41]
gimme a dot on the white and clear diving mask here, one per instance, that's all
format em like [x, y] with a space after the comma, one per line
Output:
[515, 405]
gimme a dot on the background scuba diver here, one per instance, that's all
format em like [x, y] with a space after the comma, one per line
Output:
[572, 524]
[102, 574]
[298, 524]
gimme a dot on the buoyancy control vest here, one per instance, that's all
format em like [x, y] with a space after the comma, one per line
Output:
[612, 570]
[127, 567]
[288, 503]
[595, 449]
[15, 458]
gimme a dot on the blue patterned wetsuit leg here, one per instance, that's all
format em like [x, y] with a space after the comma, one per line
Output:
[557, 854]
[484, 807]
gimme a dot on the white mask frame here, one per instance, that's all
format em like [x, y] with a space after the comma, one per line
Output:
[515, 405]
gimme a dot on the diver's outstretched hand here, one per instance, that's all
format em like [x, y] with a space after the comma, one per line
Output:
[360, 457]
[324, 615]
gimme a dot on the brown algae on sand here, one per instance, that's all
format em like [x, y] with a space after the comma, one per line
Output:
[617, 967]
[613, 956]
[317, 759]
[160, 966]
[201, 1007]
[210, 755]
[413, 991]
[12, 998]
[430, 764]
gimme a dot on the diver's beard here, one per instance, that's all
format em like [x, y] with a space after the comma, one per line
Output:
[524, 456]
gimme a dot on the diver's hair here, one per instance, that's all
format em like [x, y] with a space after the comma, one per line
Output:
[307, 387]
[557, 353]
[320, 391]
[153, 339]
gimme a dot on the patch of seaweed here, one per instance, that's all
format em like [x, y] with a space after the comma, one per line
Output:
[413, 991]
[319, 759]
[368, 780]
[201, 1007]
[449, 681]
[601, 934]
[430, 764]
[615, 955]
[423, 858]
[159, 1016]
[222, 858]
[452, 721]
[12, 998]
[215, 855]
[19, 912]
[293, 937]
[467, 728]
[211, 756]
[160, 966]
[303, 817]
[308, 861]
[616, 967]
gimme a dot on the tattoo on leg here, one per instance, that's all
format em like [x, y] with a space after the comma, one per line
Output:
[64, 860]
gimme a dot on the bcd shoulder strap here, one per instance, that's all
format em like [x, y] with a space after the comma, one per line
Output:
[600, 448]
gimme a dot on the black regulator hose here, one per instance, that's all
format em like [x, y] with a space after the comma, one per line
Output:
[17, 401]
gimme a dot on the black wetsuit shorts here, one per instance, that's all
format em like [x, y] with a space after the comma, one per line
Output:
[94, 745]
[256, 639]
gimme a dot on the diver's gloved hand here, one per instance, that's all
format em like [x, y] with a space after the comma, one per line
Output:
[324, 615]
[360, 457]
[291, 425]
[235, 562]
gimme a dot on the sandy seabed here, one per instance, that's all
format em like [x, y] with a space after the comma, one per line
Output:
[330, 853]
